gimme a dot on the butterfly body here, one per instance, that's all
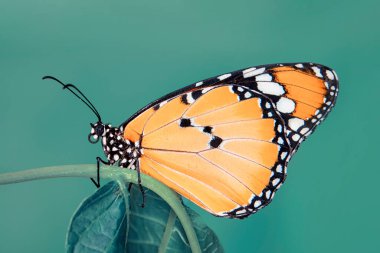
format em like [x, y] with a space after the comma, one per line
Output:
[118, 150]
[225, 142]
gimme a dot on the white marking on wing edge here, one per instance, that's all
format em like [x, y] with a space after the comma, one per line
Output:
[336, 76]
[248, 70]
[330, 75]
[257, 203]
[225, 76]
[275, 181]
[295, 123]
[304, 130]
[317, 71]
[252, 72]
[205, 90]
[296, 137]
[271, 88]
[285, 105]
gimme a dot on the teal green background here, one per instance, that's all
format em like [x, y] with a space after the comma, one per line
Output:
[124, 54]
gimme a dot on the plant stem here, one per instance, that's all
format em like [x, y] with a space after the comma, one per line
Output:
[112, 173]
[168, 231]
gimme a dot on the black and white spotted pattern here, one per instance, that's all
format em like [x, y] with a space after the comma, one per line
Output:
[118, 150]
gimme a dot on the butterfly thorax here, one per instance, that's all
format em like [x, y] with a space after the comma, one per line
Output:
[119, 150]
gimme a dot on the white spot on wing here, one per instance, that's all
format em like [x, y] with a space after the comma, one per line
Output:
[252, 72]
[296, 137]
[304, 130]
[295, 123]
[264, 77]
[285, 105]
[247, 94]
[248, 70]
[205, 90]
[275, 181]
[225, 76]
[271, 88]
[241, 211]
[257, 203]
[198, 84]
[190, 98]
[330, 75]
[317, 71]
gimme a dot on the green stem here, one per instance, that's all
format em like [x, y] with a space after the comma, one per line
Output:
[168, 231]
[112, 173]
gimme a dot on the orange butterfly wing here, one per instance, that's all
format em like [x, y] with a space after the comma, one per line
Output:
[224, 142]
[216, 146]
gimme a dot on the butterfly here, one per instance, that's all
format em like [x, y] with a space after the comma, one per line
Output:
[224, 143]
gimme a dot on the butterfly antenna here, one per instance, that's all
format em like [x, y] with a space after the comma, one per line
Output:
[73, 89]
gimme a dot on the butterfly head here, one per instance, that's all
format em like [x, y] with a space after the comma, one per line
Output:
[98, 130]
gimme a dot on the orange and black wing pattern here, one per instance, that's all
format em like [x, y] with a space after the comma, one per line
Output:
[303, 94]
[224, 143]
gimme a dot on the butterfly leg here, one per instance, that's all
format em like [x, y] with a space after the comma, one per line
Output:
[139, 182]
[129, 187]
[98, 161]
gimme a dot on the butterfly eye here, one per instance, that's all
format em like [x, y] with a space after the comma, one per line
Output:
[99, 130]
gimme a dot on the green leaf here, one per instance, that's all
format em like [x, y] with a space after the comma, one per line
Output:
[99, 224]
[112, 220]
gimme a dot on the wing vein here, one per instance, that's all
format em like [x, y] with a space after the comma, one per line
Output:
[232, 153]
[225, 171]
[186, 175]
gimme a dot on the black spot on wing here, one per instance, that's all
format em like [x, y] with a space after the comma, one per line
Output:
[216, 141]
[207, 129]
[185, 122]
[196, 94]
[184, 99]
